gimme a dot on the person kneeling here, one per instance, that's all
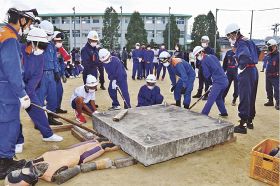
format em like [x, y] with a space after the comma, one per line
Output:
[83, 99]
[149, 94]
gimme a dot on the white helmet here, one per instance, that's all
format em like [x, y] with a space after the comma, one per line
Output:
[137, 44]
[271, 42]
[104, 54]
[93, 35]
[37, 34]
[47, 26]
[164, 55]
[205, 39]
[197, 49]
[151, 78]
[91, 81]
[191, 57]
[231, 28]
[55, 34]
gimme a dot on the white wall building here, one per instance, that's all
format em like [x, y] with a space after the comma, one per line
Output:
[84, 22]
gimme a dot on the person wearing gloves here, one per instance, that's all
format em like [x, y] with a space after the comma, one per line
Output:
[33, 61]
[62, 55]
[118, 78]
[83, 99]
[247, 57]
[13, 95]
[186, 74]
[148, 59]
[230, 67]
[207, 50]
[136, 58]
[149, 94]
[212, 68]
[47, 89]
[272, 74]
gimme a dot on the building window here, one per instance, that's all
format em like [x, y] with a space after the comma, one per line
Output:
[85, 20]
[66, 20]
[151, 33]
[67, 33]
[160, 20]
[180, 21]
[77, 20]
[159, 33]
[95, 20]
[150, 20]
[55, 20]
[182, 34]
[76, 33]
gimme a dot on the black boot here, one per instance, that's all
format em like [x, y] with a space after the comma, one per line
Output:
[269, 103]
[233, 103]
[9, 165]
[52, 121]
[198, 95]
[240, 128]
[277, 105]
[250, 124]
[186, 106]
[178, 103]
[205, 97]
[60, 111]
[102, 87]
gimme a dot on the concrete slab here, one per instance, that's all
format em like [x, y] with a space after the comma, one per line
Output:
[158, 133]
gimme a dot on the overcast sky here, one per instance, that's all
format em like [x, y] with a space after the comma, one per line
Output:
[263, 20]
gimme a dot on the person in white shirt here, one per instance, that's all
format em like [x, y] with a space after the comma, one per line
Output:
[155, 61]
[83, 99]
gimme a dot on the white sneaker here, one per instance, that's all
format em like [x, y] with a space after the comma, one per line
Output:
[54, 137]
[19, 148]
[71, 77]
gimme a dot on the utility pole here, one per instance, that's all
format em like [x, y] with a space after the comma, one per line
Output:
[121, 29]
[275, 29]
[215, 42]
[251, 30]
[74, 27]
[169, 29]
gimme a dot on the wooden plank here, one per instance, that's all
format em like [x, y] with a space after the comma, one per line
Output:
[77, 135]
[61, 128]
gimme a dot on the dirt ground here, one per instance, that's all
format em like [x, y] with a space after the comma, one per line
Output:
[226, 164]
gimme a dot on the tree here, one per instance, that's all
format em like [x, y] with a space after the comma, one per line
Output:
[136, 32]
[152, 43]
[110, 29]
[174, 32]
[211, 31]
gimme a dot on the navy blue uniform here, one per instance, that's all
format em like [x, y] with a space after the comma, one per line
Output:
[247, 58]
[272, 76]
[212, 68]
[230, 67]
[147, 97]
[148, 59]
[201, 78]
[186, 75]
[136, 54]
[33, 72]
[47, 89]
[90, 61]
[12, 88]
[116, 71]
[160, 66]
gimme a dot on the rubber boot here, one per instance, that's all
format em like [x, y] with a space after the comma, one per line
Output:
[240, 128]
[60, 111]
[205, 97]
[52, 121]
[198, 95]
[269, 103]
[8, 165]
[250, 124]
[277, 105]
[186, 106]
[178, 103]
[233, 103]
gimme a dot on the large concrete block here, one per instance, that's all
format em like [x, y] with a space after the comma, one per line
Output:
[158, 133]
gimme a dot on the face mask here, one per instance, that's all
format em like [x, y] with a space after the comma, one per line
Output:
[107, 61]
[177, 48]
[137, 47]
[166, 64]
[58, 45]
[38, 52]
[91, 91]
[162, 47]
[204, 45]
[148, 48]
[150, 87]
[93, 44]
[199, 57]
[232, 41]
